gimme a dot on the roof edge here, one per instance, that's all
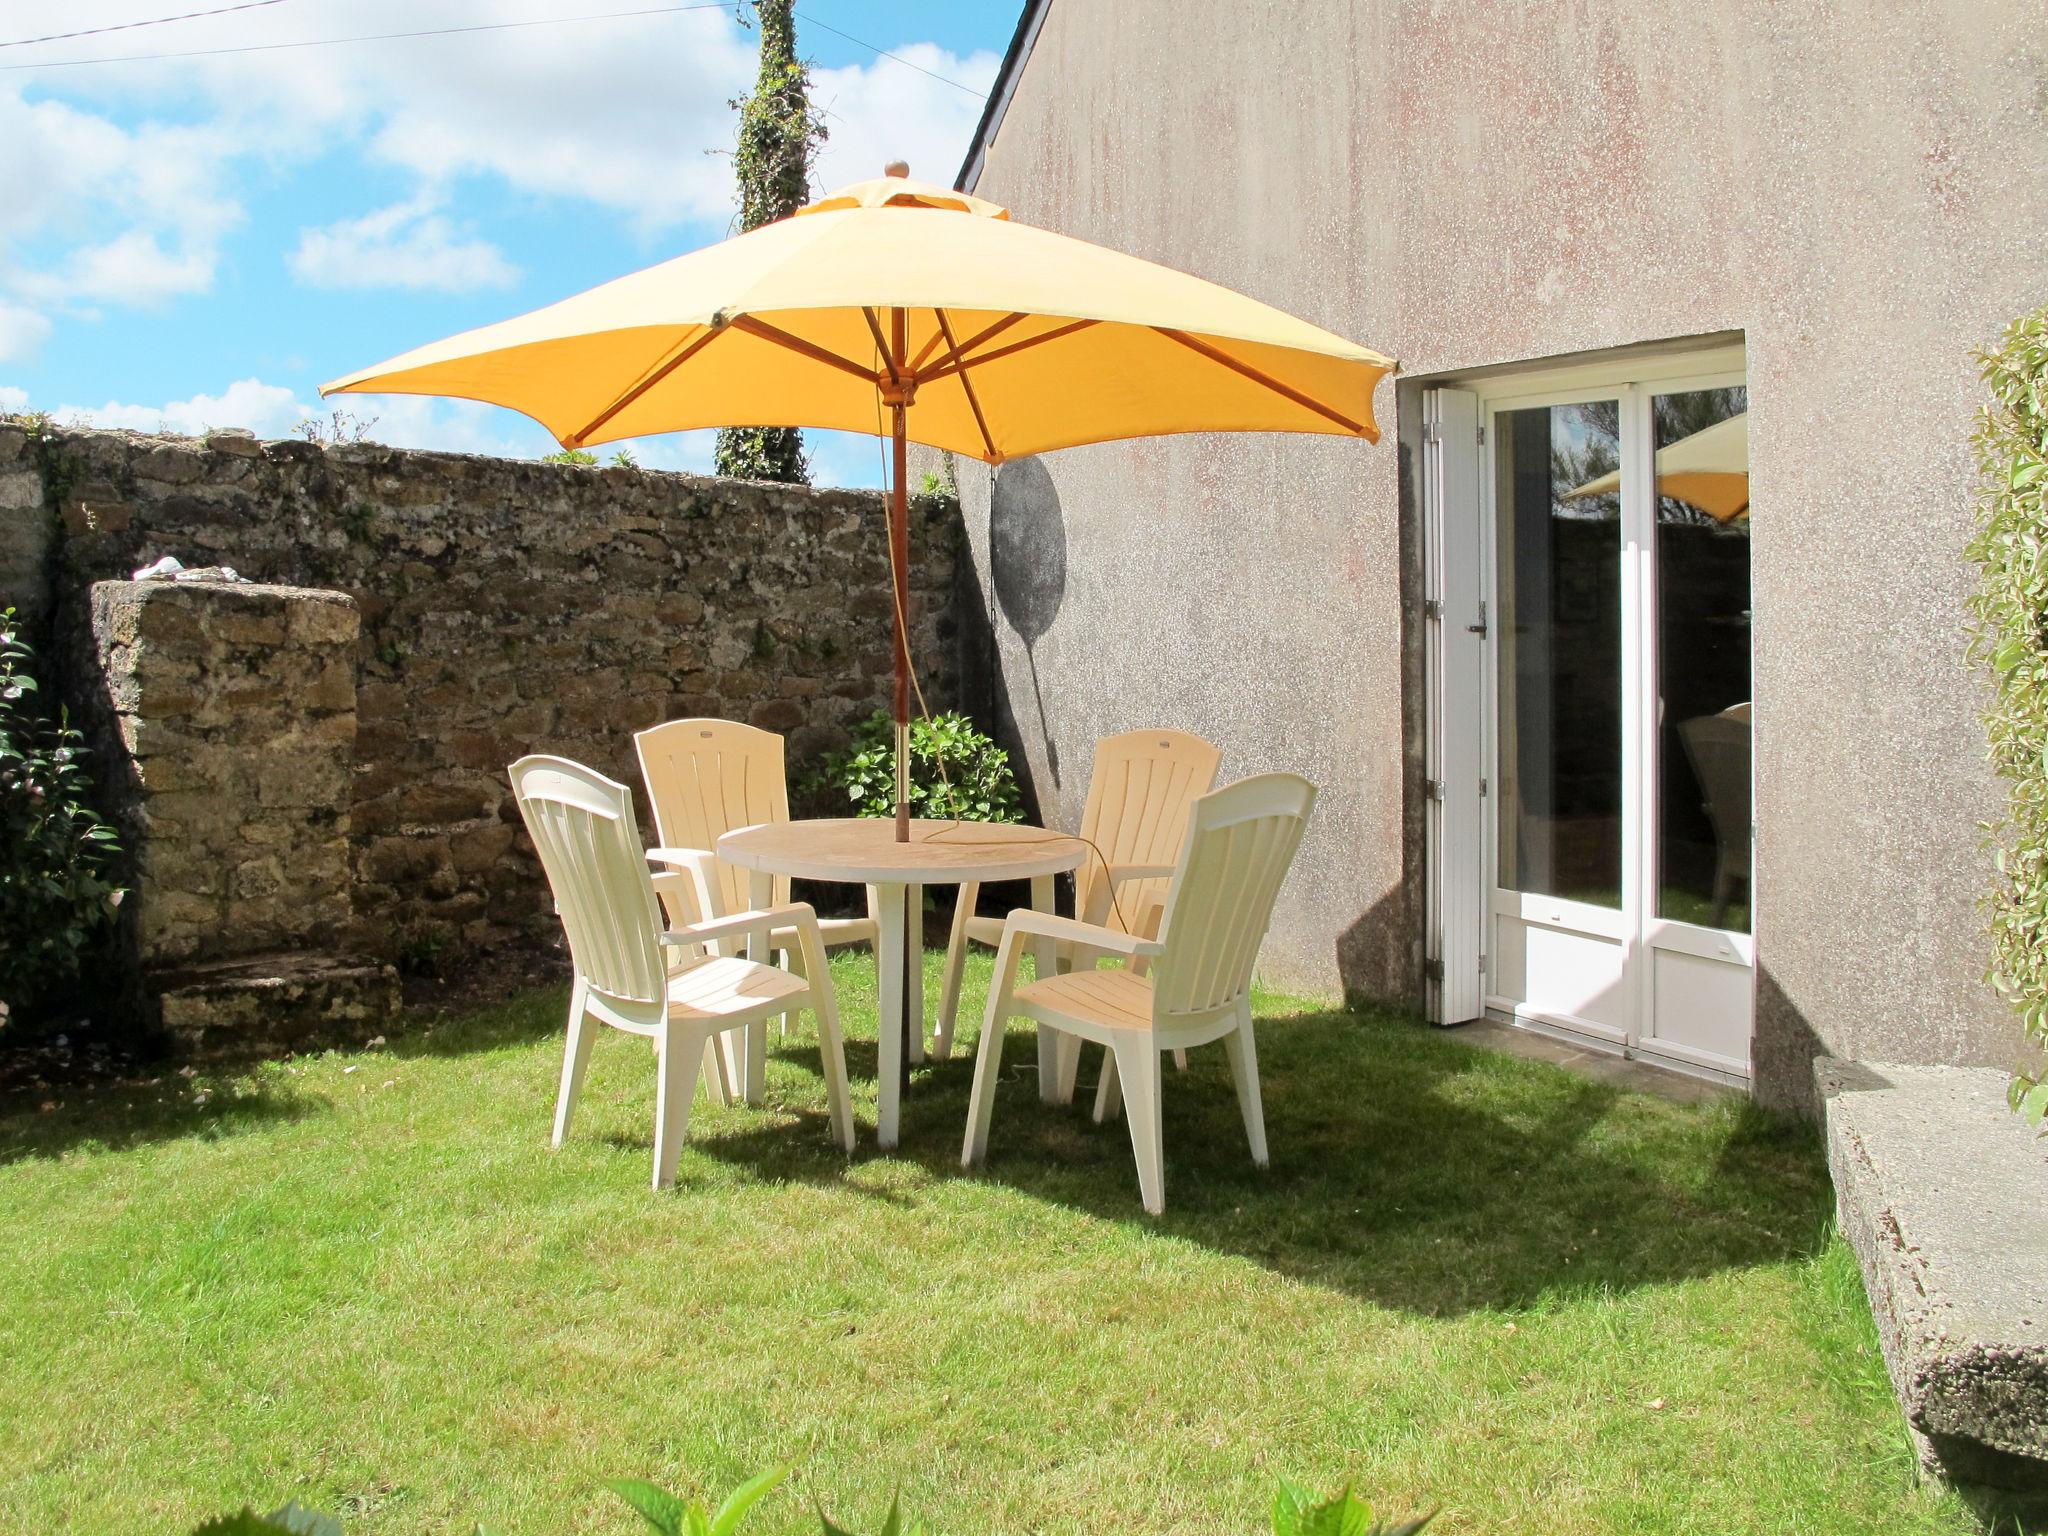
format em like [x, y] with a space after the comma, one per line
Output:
[1015, 57]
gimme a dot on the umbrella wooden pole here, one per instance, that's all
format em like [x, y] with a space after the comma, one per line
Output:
[899, 568]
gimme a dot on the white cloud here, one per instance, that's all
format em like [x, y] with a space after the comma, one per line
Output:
[268, 410]
[885, 111]
[21, 332]
[13, 398]
[407, 245]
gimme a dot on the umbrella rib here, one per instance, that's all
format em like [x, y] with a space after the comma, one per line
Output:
[946, 369]
[925, 351]
[953, 347]
[1286, 391]
[647, 382]
[994, 329]
[881, 347]
[817, 354]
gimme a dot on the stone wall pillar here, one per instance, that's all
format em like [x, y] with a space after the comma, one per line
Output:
[236, 707]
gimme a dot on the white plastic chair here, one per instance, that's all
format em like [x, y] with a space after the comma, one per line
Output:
[706, 778]
[583, 828]
[1239, 844]
[1139, 791]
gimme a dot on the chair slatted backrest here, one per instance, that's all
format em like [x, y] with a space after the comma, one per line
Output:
[1240, 841]
[582, 826]
[1719, 747]
[1139, 792]
[706, 778]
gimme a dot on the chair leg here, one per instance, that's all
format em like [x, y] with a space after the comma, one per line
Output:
[988, 1059]
[1137, 1064]
[1244, 1072]
[956, 963]
[1180, 1060]
[717, 1072]
[675, 1085]
[831, 1048]
[575, 1057]
[1109, 1099]
[1067, 1064]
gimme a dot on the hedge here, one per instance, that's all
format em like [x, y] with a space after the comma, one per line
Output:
[2009, 635]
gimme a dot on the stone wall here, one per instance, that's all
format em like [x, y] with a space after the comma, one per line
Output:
[506, 607]
[236, 708]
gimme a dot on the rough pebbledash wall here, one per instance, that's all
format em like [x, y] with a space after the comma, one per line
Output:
[510, 607]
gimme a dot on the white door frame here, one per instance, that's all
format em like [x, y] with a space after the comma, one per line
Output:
[1635, 927]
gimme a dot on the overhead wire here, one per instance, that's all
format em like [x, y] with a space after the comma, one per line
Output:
[369, 37]
[130, 26]
[896, 57]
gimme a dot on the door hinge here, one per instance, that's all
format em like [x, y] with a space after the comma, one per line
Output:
[1432, 608]
[1482, 789]
[1432, 432]
[1480, 627]
[1433, 969]
[1482, 434]
[1436, 789]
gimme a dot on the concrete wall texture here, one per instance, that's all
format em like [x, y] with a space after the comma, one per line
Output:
[1860, 190]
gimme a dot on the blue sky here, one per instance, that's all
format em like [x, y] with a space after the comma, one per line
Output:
[201, 241]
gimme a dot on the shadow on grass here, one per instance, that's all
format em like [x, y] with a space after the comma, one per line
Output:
[1408, 1169]
[116, 1117]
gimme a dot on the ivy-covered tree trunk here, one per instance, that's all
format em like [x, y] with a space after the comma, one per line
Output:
[779, 136]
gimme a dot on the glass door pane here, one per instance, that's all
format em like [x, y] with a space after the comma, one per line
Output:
[1558, 572]
[1701, 440]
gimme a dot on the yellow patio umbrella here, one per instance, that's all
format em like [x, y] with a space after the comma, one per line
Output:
[908, 310]
[1709, 469]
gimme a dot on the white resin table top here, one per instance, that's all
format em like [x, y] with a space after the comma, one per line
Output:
[865, 850]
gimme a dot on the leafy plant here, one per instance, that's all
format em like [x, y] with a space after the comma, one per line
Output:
[2009, 634]
[673, 1517]
[57, 857]
[956, 773]
[779, 136]
[569, 456]
[892, 1524]
[1297, 1512]
[339, 427]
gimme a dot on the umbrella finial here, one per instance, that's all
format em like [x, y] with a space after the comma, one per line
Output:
[897, 168]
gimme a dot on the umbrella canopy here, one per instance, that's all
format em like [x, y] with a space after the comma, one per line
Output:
[912, 311]
[1014, 340]
[1709, 469]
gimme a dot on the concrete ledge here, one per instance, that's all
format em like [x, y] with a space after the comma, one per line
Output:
[1943, 1193]
[263, 1005]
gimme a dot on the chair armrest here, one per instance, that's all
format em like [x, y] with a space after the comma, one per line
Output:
[799, 914]
[1122, 872]
[1025, 920]
[1103, 901]
[701, 870]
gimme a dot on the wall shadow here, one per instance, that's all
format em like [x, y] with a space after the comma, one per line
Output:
[1027, 558]
[119, 1116]
[1408, 1169]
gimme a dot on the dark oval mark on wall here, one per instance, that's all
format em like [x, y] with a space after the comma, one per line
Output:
[1027, 547]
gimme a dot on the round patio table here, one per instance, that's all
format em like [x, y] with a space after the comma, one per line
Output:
[864, 851]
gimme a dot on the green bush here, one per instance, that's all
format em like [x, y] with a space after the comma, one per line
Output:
[2009, 634]
[956, 773]
[57, 856]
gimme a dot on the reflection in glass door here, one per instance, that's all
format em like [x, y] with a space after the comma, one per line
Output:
[1620, 908]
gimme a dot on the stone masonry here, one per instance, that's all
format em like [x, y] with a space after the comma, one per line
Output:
[236, 706]
[505, 607]
[235, 711]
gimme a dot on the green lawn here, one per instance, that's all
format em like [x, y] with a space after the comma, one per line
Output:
[1468, 1280]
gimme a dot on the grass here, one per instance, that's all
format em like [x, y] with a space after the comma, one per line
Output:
[363, 1281]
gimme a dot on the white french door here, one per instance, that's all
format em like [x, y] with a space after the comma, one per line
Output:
[1602, 704]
